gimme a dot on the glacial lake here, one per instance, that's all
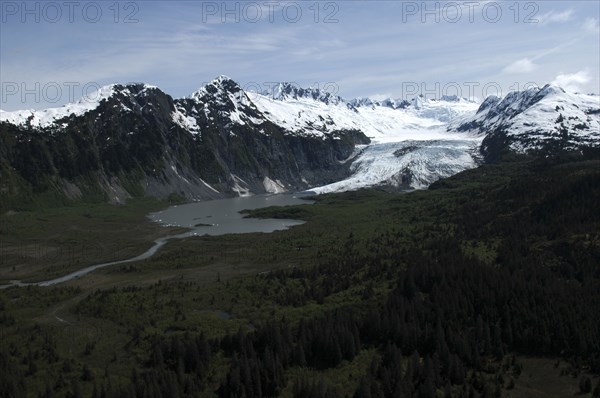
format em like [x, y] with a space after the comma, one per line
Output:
[223, 216]
[220, 217]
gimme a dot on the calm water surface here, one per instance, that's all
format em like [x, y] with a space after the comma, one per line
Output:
[219, 217]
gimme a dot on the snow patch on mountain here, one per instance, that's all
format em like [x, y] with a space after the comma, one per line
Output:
[273, 186]
[304, 115]
[240, 186]
[48, 117]
[207, 185]
[185, 122]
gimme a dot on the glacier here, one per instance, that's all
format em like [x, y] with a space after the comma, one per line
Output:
[412, 144]
[407, 164]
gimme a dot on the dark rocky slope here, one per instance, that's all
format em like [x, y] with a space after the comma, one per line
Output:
[139, 141]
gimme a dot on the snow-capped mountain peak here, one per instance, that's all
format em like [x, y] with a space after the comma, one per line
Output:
[388, 103]
[362, 101]
[412, 143]
[536, 118]
[222, 99]
[489, 102]
[286, 91]
[48, 117]
[218, 86]
[453, 98]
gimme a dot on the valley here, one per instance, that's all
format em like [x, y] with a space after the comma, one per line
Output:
[352, 256]
[300, 199]
[442, 246]
[224, 215]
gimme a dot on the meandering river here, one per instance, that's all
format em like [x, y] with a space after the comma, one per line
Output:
[214, 217]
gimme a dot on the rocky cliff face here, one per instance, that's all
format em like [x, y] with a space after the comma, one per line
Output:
[137, 140]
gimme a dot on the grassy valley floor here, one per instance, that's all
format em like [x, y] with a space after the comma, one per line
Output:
[475, 287]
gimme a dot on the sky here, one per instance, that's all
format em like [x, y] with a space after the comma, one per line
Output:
[52, 53]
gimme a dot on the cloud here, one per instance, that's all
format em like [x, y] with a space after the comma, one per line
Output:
[553, 16]
[572, 82]
[524, 65]
[379, 96]
[591, 25]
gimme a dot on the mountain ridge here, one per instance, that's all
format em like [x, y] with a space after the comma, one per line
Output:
[537, 120]
[222, 141]
[137, 140]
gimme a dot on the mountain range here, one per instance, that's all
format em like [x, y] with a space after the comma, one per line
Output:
[136, 140]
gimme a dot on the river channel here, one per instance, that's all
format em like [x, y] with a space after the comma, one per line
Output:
[214, 217]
